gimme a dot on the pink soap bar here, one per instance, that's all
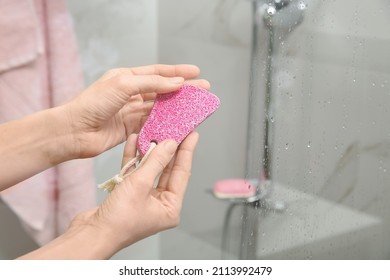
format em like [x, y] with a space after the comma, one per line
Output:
[176, 114]
[234, 188]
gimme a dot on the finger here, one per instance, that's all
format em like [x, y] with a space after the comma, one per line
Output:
[187, 71]
[142, 84]
[166, 174]
[157, 161]
[136, 107]
[134, 117]
[130, 149]
[200, 83]
[119, 89]
[150, 96]
[181, 169]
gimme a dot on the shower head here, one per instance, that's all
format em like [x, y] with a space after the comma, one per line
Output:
[282, 14]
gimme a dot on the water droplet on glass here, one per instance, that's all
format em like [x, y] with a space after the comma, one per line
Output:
[271, 10]
[302, 5]
[286, 146]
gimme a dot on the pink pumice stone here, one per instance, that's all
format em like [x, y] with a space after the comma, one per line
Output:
[175, 114]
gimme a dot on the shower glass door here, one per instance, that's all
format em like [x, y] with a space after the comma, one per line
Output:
[329, 112]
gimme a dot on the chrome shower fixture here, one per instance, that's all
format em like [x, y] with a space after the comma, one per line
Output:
[284, 14]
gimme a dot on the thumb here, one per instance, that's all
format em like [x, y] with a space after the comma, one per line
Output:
[158, 159]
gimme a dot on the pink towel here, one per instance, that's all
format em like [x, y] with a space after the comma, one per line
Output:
[39, 68]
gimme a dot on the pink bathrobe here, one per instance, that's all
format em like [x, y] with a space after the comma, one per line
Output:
[39, 68]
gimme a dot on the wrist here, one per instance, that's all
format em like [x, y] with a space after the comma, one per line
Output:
[62, 146]
[80, 242]
[87, 242]
[86, 228]
[32, 144]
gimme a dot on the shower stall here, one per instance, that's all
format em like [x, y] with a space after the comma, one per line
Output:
[316, 138]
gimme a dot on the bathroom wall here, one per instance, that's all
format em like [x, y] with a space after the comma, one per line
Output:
[215, 35]
[116, 34]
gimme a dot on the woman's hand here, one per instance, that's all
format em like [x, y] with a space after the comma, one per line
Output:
[118, 104]
[133, 210]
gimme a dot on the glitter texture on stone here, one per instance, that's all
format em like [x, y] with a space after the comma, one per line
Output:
[176, 114]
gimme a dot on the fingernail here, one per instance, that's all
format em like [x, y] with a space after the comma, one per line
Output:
[171, 146]
[176, 80]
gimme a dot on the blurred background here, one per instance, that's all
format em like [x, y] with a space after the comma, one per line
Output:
[325, 67]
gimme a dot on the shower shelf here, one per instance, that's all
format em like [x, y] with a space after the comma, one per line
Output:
[309, 227]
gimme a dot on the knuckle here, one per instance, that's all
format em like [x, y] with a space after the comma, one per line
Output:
[137, 180]
[155, 80]
[160, 162]
[111, 73]
[185, 173]
[122, 79]
[127, 84]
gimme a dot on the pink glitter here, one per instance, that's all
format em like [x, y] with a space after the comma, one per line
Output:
[176, 114]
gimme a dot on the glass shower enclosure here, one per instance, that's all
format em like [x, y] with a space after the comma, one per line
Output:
[318, 133]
